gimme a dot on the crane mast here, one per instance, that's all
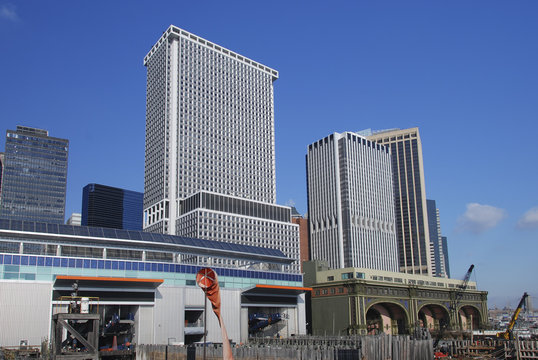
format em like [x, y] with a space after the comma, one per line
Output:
[508, 333]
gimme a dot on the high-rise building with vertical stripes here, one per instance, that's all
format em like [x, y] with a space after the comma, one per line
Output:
[350, 203]
[409, 196]
[210, 146]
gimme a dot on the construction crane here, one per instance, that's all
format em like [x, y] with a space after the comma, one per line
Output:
[508, 333]
[463, 286]
[461, 289]
[443, 324]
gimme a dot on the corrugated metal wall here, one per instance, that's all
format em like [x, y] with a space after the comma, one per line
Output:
[144, 329]
[301, 315]
[230, 310]
[25, 312]
[169, 314]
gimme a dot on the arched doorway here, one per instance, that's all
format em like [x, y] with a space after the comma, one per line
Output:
[388, 318]
[434, 317]
[469, 317]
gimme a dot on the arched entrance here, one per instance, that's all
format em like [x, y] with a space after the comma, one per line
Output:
[468, 317]
[389, 318]
[433, 316]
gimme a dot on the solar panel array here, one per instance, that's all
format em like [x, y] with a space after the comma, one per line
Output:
[88, 231]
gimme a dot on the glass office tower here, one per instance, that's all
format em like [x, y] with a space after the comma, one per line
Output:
[34, 176]
[111, 207]
[437, 251]
[445, 254]
[1, 173]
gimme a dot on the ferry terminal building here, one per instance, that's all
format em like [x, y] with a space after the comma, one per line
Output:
[144, 280]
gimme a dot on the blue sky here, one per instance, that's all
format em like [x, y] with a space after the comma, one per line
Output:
[464, 72]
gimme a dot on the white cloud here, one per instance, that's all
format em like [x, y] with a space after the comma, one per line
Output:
[529, 220]
[479, 218]
[290, 203]
[7, 11]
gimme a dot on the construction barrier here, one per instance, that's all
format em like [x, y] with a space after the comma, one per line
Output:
[379, 347]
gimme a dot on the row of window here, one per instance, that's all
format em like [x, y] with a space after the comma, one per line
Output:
[360, 275]
[254, 232]
[330, 291]
[236, 206]
[43, 261]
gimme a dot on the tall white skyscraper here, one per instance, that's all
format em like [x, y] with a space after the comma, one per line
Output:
[210, 146]
[351, 203]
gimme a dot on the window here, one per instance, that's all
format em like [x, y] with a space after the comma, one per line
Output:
[9, 247]
[330, 278]
[346, 276]
[360, 275]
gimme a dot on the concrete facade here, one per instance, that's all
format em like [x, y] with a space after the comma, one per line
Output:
[350, 203]
[210, 134]
[304, 238]
[409, 198]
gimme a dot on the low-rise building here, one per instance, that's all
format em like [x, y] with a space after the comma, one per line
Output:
[145, 280]
[366, 301]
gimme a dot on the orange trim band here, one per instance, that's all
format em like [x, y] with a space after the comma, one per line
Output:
[66, 277]
[283, 287]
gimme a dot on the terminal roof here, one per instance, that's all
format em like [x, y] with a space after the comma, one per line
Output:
[143, 239]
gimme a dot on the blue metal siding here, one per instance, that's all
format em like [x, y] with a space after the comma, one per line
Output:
[20, 266]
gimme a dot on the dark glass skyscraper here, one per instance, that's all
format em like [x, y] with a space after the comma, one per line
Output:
[445, 254]
[34, 176]
[1, 173]
[437, 248]
[111, 207]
